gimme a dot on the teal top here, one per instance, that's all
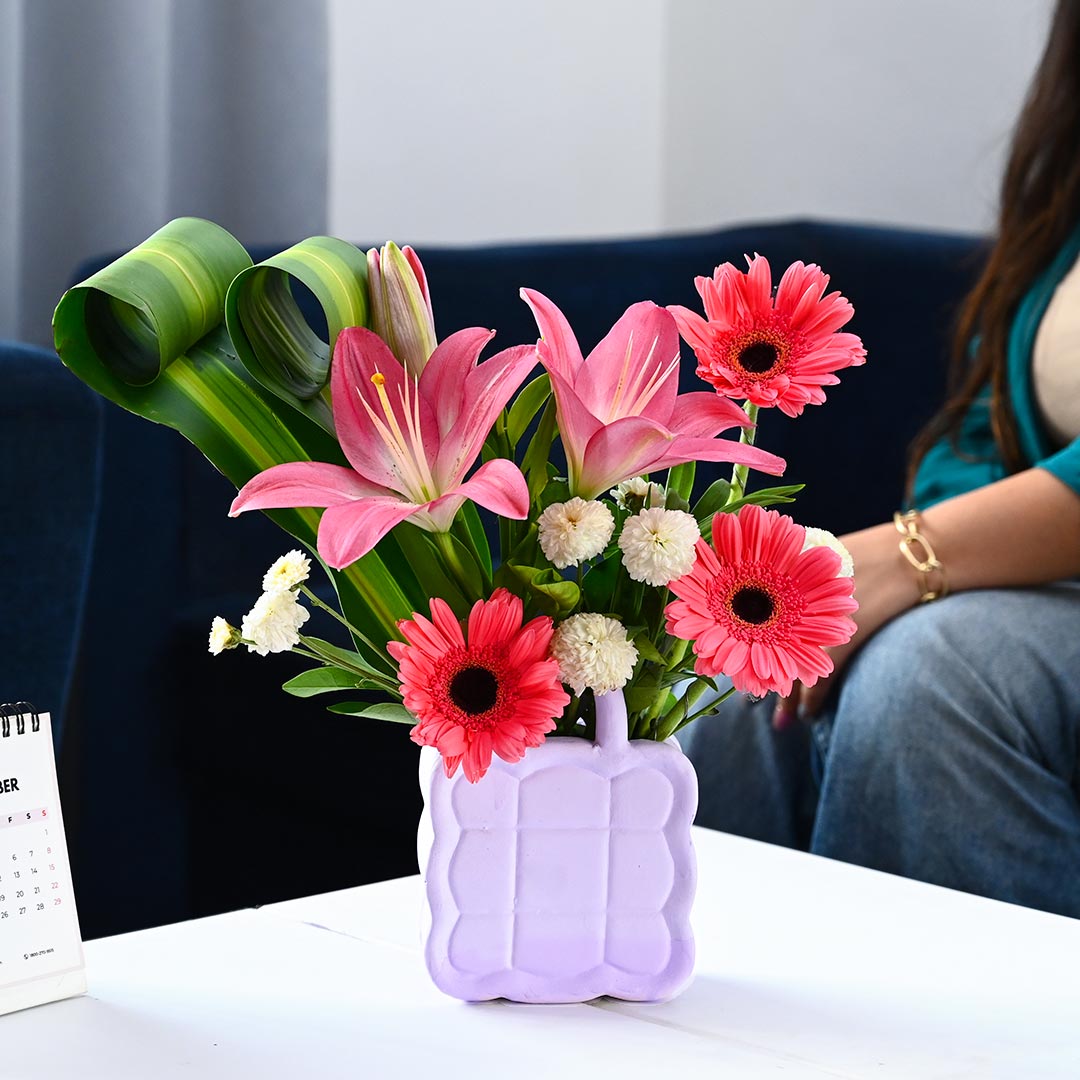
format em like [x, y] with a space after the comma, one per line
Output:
[945, 472]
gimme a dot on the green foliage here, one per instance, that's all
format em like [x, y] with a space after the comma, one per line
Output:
[383, 710]
[325, 680]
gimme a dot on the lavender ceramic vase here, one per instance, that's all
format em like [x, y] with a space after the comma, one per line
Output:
[565, 876]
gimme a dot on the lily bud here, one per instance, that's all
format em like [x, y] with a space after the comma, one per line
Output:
[401, 306]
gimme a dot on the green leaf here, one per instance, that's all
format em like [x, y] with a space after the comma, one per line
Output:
[148, 333]
[422, 554]
[766, 497]
[272, 337]
[647, 650]
[713, 499]
[549, 592]
[384, 710]
[526, 405]
[326, 679]
[680, 480]
[470, 521]
[345, 658]
[535, 463]
[599, 583]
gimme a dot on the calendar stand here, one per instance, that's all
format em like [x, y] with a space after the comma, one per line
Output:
[41, 955]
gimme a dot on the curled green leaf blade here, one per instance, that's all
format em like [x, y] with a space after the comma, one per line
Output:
[272, 337]
[147, 332]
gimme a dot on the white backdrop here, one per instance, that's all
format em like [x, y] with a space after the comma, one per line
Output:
[499, 119]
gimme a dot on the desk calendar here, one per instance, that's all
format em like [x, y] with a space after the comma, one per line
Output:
[41, 957]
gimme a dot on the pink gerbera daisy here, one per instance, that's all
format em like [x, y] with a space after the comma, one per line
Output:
[497, 692]
[770, 351]
[759, 609]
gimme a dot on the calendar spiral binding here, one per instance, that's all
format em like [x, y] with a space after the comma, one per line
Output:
[18, 711]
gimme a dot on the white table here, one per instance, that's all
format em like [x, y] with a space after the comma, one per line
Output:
[806, 968]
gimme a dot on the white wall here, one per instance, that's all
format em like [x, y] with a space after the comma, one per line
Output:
[482, 120]
[877, 110]
[478, 120]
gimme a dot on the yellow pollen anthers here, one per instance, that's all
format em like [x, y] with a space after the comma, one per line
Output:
[407, 449]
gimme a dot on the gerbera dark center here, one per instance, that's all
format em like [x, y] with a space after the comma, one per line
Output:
[753, 605]
[758, 358]
[474, 690]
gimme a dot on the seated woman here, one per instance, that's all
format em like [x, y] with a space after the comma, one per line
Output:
[946, 745]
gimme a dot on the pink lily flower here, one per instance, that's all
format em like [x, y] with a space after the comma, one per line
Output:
[620, 411]
[401, 304]
[409, 440]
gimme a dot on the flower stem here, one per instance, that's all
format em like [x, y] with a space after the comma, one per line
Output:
[452, 561]
[740, 473]
[380, 653]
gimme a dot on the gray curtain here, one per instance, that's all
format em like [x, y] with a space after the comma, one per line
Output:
[117, 115]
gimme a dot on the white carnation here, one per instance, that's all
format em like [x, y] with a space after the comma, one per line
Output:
[637, 491]
[289, 571]
[574, 531]
[824, 538]
[222, 636]
[273, 624]
[592, 651]
[658, 545]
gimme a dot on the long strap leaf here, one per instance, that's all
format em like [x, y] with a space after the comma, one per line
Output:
[148, 333]
[270, 333]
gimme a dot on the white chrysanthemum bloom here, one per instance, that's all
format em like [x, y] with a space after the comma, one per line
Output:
[574, 531]
[593, 651]
[630, 493]
[287, 573]
[658, 545]
[824, 538]
[273, 624]
[222, 636]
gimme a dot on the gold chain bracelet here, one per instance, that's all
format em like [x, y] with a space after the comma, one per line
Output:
[912, 545]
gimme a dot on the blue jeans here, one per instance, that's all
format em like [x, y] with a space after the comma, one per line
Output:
[950, 753]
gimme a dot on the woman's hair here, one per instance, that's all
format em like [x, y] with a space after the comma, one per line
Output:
[1040, 205]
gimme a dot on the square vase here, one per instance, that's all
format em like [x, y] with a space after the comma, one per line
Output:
[565, 876]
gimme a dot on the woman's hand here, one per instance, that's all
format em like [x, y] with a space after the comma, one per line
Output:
[885, 586]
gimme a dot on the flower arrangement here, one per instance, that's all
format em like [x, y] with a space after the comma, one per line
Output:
[597, 569]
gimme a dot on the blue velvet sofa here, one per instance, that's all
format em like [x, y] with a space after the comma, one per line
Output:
[195, 785]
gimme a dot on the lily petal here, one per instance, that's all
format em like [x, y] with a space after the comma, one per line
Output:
[634, 371]
[706, 414]
[559, 349]
[346, 533]
[620, 450]
[689, 448]
[499, 486]
[302, 483]
[443, 381]
[487, 389]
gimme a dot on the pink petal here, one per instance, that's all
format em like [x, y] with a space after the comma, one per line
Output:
[486, 391]
[348, 532]
[302, 483]
[704, 415]
[619, 450]
[559, 349]
[421, 278]
[757, 287]
[631, 372]
[693, 328]
[443, 381]
[576, 424]
[690, 448]
[499, 486]
[358, 355]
